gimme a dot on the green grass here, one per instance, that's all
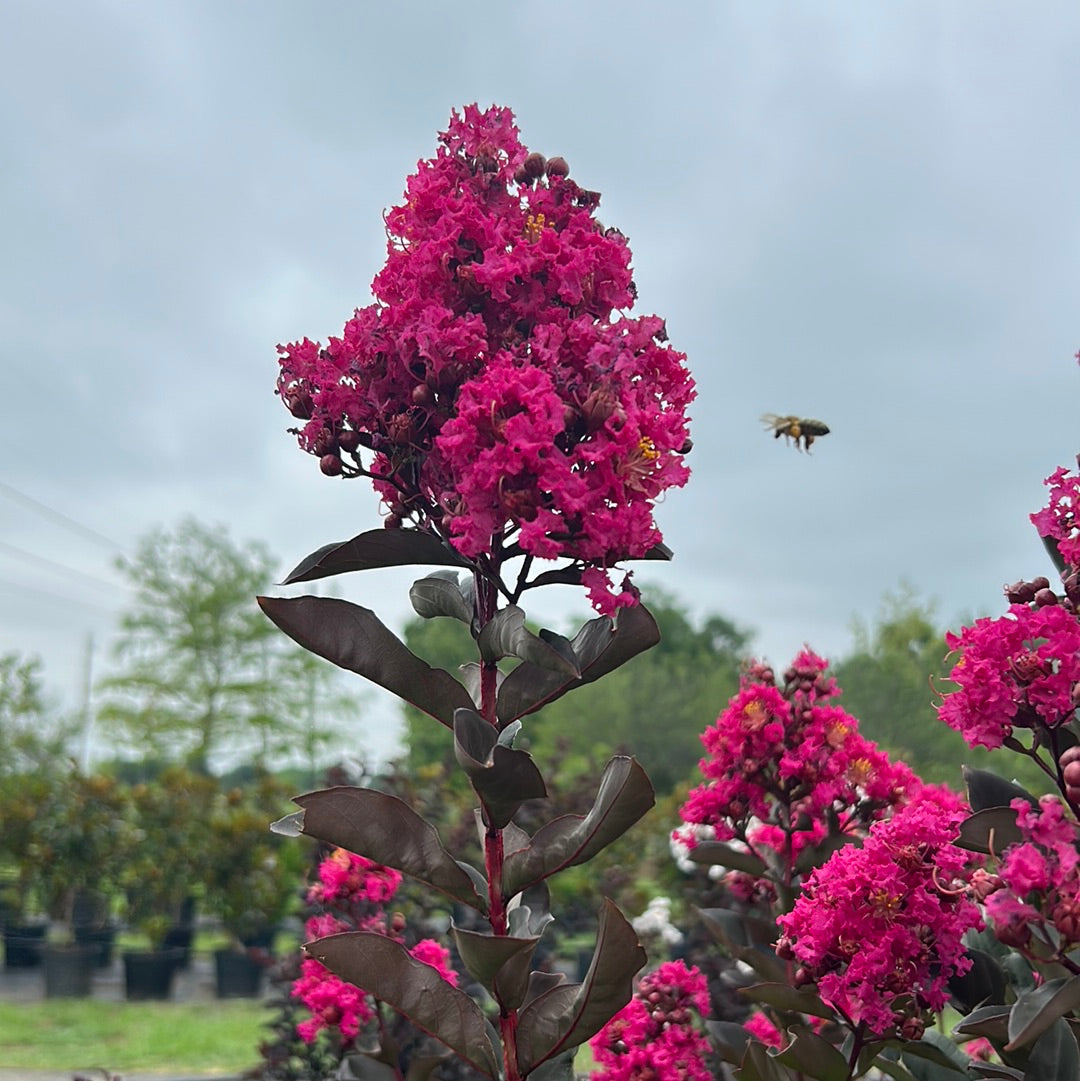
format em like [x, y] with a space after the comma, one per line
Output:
[218, 1037]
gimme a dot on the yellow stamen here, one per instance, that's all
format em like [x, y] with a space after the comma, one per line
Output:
[534, 226]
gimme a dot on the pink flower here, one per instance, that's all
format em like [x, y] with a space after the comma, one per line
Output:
[495, 391]
[431, 953]
[346, 876]
[655, 1037]
[1018, 670]
[1060, 518]
[879, 928]
[334, 1004]
[761, 1028]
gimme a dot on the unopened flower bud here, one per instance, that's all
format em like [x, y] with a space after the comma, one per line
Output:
[1045, 597]
[1020, 593]
[349, 441]
[558, 167]
[299, 403]
[1040, 583]
[912, 1028]
[687, 447]
[533, 166]
[330, 464]
[397, 923]
[422, 394]
[324, 443]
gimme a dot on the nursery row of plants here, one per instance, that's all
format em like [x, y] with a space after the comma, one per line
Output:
[85, 854]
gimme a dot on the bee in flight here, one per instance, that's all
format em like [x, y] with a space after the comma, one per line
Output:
[803, 430]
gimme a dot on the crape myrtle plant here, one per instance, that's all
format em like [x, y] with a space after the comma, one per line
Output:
[518, 426]
[866, 903]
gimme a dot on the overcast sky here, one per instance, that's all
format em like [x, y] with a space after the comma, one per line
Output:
[867, 214]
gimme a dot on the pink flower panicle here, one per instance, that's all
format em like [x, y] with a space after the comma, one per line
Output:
[777, 756]
[334, 1004]
[348, 877]
[878, 928]
[1060, 518]
[1017, 671]
[492, 391]
[1038, 880]
[657, 1035]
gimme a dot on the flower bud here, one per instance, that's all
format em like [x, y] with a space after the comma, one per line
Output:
[1020, 593]
[687, 447]
[330, 464]
[299, 403]
[533, 166]
[1040, 583]
[912, 1028]
[558, 167]
[324, 443]
[1045, 597]
[349, 441]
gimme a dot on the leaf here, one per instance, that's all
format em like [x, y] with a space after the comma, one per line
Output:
[1055, 1056]
[353, 638]
[439, 594]
[747, 939]
[559, 1068]
[385, 969]
[569, 1014]
[991, 828]
[421, 1067]
[505, 635]
[624, 795]
[716, 852]
[498, 962]
[362, 1066]
[503, 778]
[375, 548]
[989, 1021]
[983, 982]
[601, 646]
[987, 789]
[383, 828]
[808, 1053]
[785, 997]
[891, 1067]
[1054, 552]
[815, 855]
[729, 1039]
[995, 1071]
[759, 1065]
[1035, 1011]
[934, 1058]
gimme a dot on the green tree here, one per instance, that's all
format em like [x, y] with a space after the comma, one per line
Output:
[891, 682]
[32, 737]
[201, 671]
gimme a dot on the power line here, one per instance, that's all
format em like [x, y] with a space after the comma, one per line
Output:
[48, 594]
[57, 516]
[71, 572]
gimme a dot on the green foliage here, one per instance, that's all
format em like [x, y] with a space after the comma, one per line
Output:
[31, 737]
[892, 681]
[201, 671]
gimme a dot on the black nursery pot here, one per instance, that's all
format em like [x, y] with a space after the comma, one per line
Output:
[149, 975]
[101, 939]
[23, 944]
[69, 970]
[238, 974]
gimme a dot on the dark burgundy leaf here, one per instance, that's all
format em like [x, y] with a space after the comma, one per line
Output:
[983, 982]
[569, 1014]
[729, 1039]
[439, 594]
[990, 1021]
[624, 795]
[987, 789]
[993, 828]
[601, 646]
[498, 962]
[353, 638]
[1055, 1056]
[809, 1054]
[376, 548]
[386, 969]
[1035, 1011]
[785, 997]
[506, 635]
[502, 777]
[383, 828]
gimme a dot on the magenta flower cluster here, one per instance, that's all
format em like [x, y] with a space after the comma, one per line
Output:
[1022, 670]
[1036, 891]
[657, 1035]
[878, 928]
[784, 764]
[494, 391]
[352, 891]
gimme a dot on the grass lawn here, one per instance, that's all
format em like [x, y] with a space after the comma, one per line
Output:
[77, 1034]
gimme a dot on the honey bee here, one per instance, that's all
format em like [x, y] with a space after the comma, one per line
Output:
[803, 430]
